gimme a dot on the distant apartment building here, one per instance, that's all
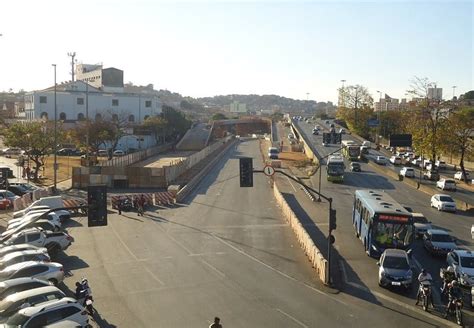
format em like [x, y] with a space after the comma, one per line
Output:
[236, 107]
[388, 103]
[97, 94]
[435, 93]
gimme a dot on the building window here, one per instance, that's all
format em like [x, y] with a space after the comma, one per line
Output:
[148, 103]
[131, 118]
[43, 99]
[80, 101]
[80, 117]
[98, 117]
[62, 116]
[115, 102]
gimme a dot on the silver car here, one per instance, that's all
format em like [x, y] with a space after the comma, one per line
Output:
[24, 256]
[51, 271]
[463, 263]
[16, 285]
[20, 247]
[15, 302]
[394, 269]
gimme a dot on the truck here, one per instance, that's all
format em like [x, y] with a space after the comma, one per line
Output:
[335, 168]
[54, 242]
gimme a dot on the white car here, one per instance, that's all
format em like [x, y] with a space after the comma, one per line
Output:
[463, 263]
[382, 160]
[426, 163]
[443, 203]
[407, 172]
[396, 160]
[459, 176]
[446, 184]
[48, 271]
[65, 312]
[51, 217]
[40, 255]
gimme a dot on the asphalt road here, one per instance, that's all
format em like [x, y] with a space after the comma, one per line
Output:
[360, 270]
[227, 252]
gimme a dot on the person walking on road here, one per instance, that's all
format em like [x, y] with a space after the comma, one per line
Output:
[216, 323]
[119, 205]
[141, 205]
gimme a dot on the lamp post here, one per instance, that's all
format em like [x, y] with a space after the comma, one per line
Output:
[55, 166]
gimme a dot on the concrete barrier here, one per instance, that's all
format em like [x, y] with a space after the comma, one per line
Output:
[319, 263]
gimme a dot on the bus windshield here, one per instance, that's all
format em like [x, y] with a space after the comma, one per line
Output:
[335, 169]
[392, 235]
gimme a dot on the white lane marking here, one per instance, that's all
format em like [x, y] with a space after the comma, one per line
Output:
[393, 300]
[207, 254]
[276, 270]
[291, 184]
[123, 243]
[178, 243]
[292, 318]
[219, 272]
[155, 276]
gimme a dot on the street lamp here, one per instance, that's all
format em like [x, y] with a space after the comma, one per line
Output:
[55, 166]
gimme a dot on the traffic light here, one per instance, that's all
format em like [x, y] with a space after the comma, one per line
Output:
[246, 172]
[332, 220]
[97, 202]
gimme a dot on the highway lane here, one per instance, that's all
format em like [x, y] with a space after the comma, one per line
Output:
[227, 251]
[463, 194]
[360, 269]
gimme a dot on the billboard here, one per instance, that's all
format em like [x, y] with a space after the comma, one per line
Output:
[400, 140]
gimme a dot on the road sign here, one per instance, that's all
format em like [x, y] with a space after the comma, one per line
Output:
[268, 170]
[400, 140]
[246, 172]
[373, 122]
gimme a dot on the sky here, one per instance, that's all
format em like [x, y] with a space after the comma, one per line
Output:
[207, 48]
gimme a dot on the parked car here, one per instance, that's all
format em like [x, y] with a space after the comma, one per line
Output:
[16, 285]
[416, 162]
[421, 224]
[50, 271]
[396, 160]
[446, 184]
[426, 163]
[15, 302]
[459, 176]
[431, 175]
[394, 269]
[31, 217]
[17, 248]
[25, 185]
[18, 190]
[355, 167]
[443, 203]
[24, 256]
[66, 312]
[119, 153]
[381, 160]
[438, 242]
[8, 152]
[52, 202]
[53, 241]
[441, 165]
[407, 172]
[5, 203]
[102, 153]
[273, 153]
[463, 263]
[8, 195]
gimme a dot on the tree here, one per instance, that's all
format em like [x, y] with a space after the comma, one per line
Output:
[218, 116]
[178, 124]
[36, 138]
[100, 132]
[427, 118]
[355, 108]
[468, 95]
[459, 130]
[157, 125]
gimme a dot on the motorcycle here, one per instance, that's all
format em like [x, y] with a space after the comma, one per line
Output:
[455, 308]
[85, 296]
[425, 287]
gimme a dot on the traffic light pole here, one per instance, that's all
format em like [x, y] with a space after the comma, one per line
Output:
[332, 215]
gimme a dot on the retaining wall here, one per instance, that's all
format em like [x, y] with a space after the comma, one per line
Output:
[319, 263]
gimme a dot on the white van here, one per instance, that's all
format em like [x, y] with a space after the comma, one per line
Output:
[50, 202]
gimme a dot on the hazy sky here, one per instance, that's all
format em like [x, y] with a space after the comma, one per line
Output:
[219, 47]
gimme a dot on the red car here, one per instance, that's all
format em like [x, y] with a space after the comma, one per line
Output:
[5, 203]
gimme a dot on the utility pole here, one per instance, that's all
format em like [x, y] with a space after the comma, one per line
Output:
[55, 132]
[72, 55]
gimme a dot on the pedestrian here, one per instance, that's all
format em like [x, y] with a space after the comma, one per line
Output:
[119, 205]
[27, 170]
[141, 204]
[23, 174]
[216, 323]
[135, 203]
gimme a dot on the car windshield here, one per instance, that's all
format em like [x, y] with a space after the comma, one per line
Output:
[442, 238]
[392, 235]
[467, 262]
[395, 262]
[420, 219]
[16, 320]
[446, 199]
